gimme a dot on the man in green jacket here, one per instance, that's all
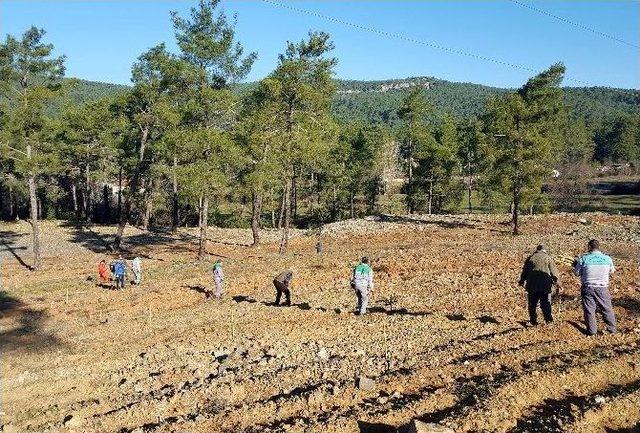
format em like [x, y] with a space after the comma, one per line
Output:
[362, 284]
[538, 276]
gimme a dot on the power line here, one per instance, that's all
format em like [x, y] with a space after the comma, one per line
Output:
[575, 24]
[413, 40]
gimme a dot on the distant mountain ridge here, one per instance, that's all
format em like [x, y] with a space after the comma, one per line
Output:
[378, 100]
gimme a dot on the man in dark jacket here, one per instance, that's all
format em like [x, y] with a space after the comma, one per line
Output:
[282, 284]
[538, 276]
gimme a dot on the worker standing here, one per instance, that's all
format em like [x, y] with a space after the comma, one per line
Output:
[103, 272]
[282, 283]
[538, 276]
[218, 278]
[594, 269]
[136, 268]
[362, 283]
[119, 272]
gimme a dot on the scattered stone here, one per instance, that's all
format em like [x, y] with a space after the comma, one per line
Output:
[382, 400]
[323, 354]
[220, 353]
[600, 400]
[272, 353]
[365, 383]
[416, 426]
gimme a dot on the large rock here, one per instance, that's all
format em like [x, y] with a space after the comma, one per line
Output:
[416, 426]
[365, 383]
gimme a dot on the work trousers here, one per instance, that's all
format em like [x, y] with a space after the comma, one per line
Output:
[362, 293]
[219, 289]
[137, 276]
[119, 281]
[280, 289]
[542, 298]
[597, 298]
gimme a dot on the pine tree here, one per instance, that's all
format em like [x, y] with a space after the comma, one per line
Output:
[30, 76]
[414, 133]
[298, 94]
[525, 125]
[215, 60]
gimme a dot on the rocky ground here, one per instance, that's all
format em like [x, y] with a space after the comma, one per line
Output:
[445, 341]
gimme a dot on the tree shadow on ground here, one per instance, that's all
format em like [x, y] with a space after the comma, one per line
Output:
[28, 335]
[399, 312]
[7, 239]
[200, 289]
[87, 237]
[188, 236]
[448, 222]
[368, 427]
[630, 304]
[243, 298]
[93, 241]
[444, 223]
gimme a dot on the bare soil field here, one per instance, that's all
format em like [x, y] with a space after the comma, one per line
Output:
[445, 340]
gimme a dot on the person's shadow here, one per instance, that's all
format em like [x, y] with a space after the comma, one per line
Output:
[578, 326]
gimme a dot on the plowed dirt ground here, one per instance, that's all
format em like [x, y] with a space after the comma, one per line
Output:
[445, 340]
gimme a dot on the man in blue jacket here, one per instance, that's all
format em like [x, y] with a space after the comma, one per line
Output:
[594, 269]
[119, 271]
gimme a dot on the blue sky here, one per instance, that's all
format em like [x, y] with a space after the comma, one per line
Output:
[101, 39]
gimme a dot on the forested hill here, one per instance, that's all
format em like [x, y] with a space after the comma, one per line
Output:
[377, 101]
[77, 92]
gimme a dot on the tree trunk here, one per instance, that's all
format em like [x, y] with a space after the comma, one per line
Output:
[334, 205]
[352, 205]
[273, 209]
[294, 197]
[74, 196]
[175, 215]
[148, 206]
[256, 209]
[430, 194]
[469, 183]
[35, 225]
[106, 207]
[87, 198]
[12, 205]
[120, 195]
[133, 187]
[204, 223]
[283, 205]
[122, 223]
[514, 215]
[284, 242]
[410, 185]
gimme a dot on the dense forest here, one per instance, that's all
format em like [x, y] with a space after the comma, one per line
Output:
[187, 145]
[378, 101]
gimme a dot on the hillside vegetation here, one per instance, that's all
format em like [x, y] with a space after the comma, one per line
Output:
[378, 101]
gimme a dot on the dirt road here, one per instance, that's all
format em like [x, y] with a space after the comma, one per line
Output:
[445, 340]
